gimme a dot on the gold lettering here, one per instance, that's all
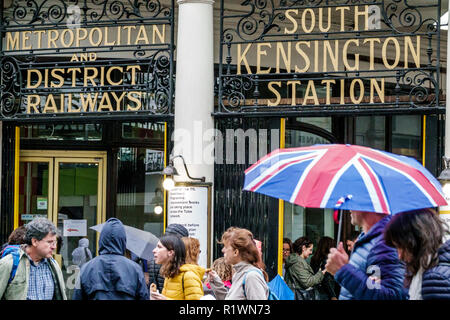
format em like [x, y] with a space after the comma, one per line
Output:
[260, 53]
[89, 103]
[71, 38]
[294, 91]
[286, 57]
[142, 35]
[58, 77]
[129, 33]
[365, 14]
[25, 38]
[34, 104]
[39, 81]
[39, 33]
[397, 53]
[161, 36]
[313, 20]
[343, 9]
[380, 91]
[74, 75]
[328, 89]
[79, 37]
[328, 51]
[415, 53]
[133, 73]
[12, 42]
[52, 37]
[106, 38]
[311, 87]
[118, 99]
[108, 76]
[304, 55]
[372, 51]
[242, 58]
[104, 105]
[90, 77]
[274, 91]
[345, 55]
[361, 91]
[135, 99]
[321, 28]
[91, 37]
[294, 22]
[50, 105]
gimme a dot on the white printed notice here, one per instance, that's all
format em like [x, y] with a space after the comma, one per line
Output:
[188, 206]
[75, 228]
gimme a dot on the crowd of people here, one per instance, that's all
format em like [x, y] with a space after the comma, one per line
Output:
[398, 257]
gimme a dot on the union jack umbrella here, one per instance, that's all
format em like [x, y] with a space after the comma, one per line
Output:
[346, 177]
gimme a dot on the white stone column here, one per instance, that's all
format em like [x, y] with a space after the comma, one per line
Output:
[194, 89]
[193, 135]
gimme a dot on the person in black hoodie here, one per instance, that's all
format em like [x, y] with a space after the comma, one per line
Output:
[110, 275]
[153, 268]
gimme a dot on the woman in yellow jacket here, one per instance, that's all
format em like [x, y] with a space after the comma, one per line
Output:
[182, 281]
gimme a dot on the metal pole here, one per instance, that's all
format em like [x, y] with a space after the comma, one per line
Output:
[339, 228]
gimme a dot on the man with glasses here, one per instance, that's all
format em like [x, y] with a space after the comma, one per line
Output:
[45, 279]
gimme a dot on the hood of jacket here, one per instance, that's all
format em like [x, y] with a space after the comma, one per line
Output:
[444, 252]
[113, 239]
[198, 270]
[292, 259]
[83, 243]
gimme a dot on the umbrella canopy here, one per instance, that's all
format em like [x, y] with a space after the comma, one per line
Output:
[320, 176]
[140, 242]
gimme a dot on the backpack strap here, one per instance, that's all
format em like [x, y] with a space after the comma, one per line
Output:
[245, 277]
[14, 251]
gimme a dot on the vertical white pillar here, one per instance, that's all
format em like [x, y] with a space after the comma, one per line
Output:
[194, 89]
[193, 135]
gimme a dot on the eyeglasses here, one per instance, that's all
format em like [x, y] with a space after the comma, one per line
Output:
[286, 250]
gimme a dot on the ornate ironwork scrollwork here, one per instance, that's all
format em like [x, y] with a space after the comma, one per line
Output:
[11, 79]
[32, 12]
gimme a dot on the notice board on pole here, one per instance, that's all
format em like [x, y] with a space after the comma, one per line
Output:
[190, 205]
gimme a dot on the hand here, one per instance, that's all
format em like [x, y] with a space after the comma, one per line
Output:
[211, 275]
[337, 258]
[324, 271]
[157, 296]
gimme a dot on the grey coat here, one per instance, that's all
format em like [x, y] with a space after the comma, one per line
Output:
[255, 285]
[299, 273]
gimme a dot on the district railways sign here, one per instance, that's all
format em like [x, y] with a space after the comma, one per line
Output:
[113, 59]
[316, 55]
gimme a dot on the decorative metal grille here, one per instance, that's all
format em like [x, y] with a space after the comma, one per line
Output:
[262, 41]
[96, 59]
[236, 208]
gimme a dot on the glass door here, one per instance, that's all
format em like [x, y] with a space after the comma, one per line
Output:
[68, 187]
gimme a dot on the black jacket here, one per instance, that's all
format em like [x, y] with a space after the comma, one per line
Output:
[154, 275]
[111, 276]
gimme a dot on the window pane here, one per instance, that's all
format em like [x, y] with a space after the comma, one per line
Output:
[406, 135]
[139, 189]
[370, 132]
[68, 132]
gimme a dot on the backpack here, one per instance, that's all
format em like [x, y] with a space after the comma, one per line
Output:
[272, 295]
[14, 250]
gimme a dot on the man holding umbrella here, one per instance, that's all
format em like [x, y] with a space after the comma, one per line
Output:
[374, 270]
[111, 276]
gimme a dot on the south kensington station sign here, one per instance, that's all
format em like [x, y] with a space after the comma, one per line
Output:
[305, 55]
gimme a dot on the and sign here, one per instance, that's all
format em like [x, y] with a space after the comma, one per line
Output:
[74, 228]
[309, 55]
[189, 206]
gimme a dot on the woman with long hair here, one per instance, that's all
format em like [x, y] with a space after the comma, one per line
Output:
[183, 281]
[328, 288]
[249, 280]
[418, 236]
[299, 274]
